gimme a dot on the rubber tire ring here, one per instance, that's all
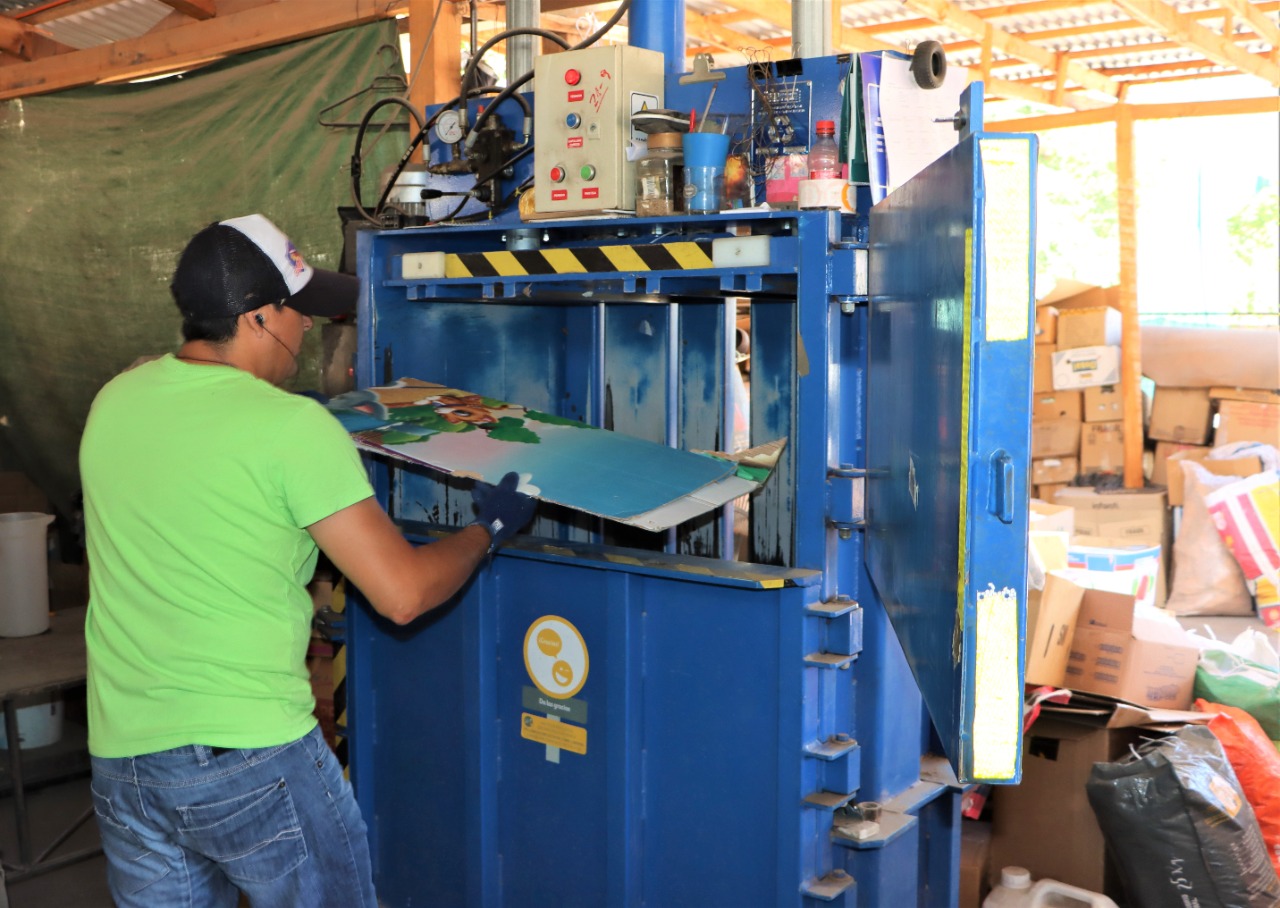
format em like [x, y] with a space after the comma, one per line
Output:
[929, 64]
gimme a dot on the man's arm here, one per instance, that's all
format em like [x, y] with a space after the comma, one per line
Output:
[400, 581]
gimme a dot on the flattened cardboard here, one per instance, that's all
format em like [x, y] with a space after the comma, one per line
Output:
[1240, 420]
[1085, 367]
[1094, 326]
[1255, 395]
[1181, 414]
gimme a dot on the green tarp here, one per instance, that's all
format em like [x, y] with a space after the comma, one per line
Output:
[103, 186]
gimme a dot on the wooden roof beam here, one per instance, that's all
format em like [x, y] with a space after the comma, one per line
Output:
[194, 9]
[943, 12]
[1184, 30]
[188, 45]
[1260, 22]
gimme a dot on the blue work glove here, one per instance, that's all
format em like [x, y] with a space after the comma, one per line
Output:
[503, 510]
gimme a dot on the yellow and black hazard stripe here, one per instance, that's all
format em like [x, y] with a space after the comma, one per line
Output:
[681, 256]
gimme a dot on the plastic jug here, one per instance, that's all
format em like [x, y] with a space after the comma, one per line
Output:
[1017, 891]
[24, 574]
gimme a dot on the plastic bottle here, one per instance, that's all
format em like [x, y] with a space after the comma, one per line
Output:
[658, 176]
[824, 156]
[1017, 891]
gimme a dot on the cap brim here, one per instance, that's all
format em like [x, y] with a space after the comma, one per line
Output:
[328, 295]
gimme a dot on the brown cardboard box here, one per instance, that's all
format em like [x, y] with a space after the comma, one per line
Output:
[1043, 517]
[1180, 414]
[1055, 438]
[1084, 367]
[975, 853]
[1053, 470]
[1119, 654]
[1046, 405]
[1211, 357]
[1045, 823]
[1047, 491]
[1051, 622]
[18, 493]
[1103, 403]
[1046, 325]
[1123, 517]
[1240, 466]
[1102, 447]
[1240, 420]
[1042, 372]
[1097, 326]
[1160, 472]
[1252, 394]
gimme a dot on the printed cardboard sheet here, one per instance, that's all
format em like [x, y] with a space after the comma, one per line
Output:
[630, 480]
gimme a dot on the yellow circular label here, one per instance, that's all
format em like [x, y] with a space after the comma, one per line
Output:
[555, 656]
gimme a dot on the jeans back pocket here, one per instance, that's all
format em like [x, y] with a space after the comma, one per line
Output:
[256, 837]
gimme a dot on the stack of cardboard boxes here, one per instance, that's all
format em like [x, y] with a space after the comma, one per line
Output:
[1076, 408]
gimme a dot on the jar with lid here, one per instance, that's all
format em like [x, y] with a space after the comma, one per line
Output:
[659, 176]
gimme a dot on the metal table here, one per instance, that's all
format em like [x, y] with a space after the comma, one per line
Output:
[29, 666]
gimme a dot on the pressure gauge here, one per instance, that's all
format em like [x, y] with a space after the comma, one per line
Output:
[449, 127]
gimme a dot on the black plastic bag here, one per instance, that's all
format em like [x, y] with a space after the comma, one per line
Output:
[1180, 829]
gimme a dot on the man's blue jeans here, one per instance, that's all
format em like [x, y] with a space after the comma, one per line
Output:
[191, 826]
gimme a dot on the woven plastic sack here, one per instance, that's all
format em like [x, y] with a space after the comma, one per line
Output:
[1257, 765]
[1179, 827]
[1226, 677]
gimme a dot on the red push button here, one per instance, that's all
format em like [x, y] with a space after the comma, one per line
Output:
[572, 77]
[557, 174]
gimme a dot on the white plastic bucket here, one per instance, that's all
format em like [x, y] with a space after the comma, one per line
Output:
[24, 573]
[39, 721]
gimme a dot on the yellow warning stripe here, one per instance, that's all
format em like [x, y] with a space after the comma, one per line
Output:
[691, 256]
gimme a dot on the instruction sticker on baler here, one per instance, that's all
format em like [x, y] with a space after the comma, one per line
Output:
[553, 733]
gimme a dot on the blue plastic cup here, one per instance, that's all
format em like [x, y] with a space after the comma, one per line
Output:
[704, 157]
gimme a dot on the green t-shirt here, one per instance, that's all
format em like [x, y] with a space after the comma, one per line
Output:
[198, 483]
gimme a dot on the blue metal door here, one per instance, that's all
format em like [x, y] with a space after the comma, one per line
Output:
[951, 270]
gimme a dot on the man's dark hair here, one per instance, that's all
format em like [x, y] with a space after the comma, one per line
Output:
[213, 330]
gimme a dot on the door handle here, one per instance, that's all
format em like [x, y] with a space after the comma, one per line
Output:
[1002, 487]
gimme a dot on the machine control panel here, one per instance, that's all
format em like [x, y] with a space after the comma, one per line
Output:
[582, 126]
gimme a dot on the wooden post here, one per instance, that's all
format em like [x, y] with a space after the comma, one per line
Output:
[436, 75]
[1131, 340]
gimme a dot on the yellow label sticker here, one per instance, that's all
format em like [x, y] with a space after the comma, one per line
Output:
[553, 733]
[555, 656]
[1007, 215]
[997, 695]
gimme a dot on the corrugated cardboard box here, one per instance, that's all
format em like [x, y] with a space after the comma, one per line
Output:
[1123, 517]
[1053, 470]
[1119, 654]
[1103, 403]
[1240, 420]
[1046, 324]
[1085, 367]
[1055, 438]
[1051, 621]
[1098, 326]
[1046, 405]
[1256, 395]
[1211, 357]
[1046, 491]
[1045, 823]
[1102, 447]
[1181, 414]
[1239, 466]
[1160, 472]
[1042, 369]
[1044, 517]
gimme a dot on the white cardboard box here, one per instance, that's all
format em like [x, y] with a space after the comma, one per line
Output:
[1085, 367]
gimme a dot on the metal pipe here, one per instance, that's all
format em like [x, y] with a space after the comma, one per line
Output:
[811, 28]
[653, 24]
[522, 49]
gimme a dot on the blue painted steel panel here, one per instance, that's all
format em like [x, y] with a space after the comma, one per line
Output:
[949, 434]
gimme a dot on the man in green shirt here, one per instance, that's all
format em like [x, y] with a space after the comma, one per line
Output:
[208, 492]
